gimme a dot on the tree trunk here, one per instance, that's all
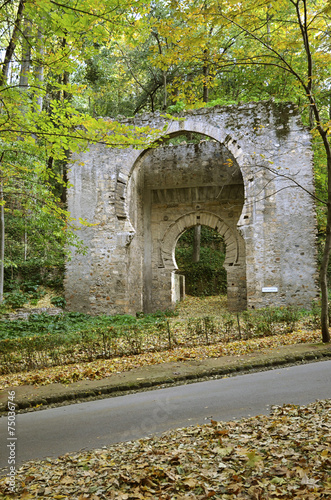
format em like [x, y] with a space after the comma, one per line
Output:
[2, 241]
[12, 43]
[311, 118]
[63, 196]
[25, 241]
[306, 84]
[3, 80]
[165, 94]
[325, 262]
[196, 243]
[269, 17]
[39, 72]
[205, 96]
[205, 71]
[164, 73]
[26, 56]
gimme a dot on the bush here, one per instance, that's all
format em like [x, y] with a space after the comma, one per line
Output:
[73, 322]
[176, 108]
[33, 290]
[30, 287]
[71, 337]
[46, 340]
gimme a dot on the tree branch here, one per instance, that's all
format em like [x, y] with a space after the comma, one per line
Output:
[284, 176]
[5, 3]
[75, 9]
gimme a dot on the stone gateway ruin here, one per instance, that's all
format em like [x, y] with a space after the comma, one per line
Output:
[249, 178]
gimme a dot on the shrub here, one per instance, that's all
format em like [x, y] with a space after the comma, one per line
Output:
[46, 340]
[264, 321]
[33, 290]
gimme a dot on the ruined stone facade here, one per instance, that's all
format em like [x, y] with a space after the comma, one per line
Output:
[243, 181]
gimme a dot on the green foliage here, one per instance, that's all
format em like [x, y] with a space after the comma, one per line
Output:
[157, 51]
[321, 183]
[265, 321]
[259, 323]
[40, 123]
[220, 101]
[208, 276]
[58, 301]
[53, 340]
[33, 290]
[176, 108]
[46, 340]
[15, 299]
[29, 292]
[74, 323]
[35, 225]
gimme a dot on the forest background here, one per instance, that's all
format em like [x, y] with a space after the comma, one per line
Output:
[70, 70]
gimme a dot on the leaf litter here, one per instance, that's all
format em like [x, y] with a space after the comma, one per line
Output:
[102, 368]
[284, 456]
[192, 307]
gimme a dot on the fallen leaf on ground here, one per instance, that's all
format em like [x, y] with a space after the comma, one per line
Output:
[185, 464]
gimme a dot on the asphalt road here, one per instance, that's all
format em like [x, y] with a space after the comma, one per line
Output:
[53, 432]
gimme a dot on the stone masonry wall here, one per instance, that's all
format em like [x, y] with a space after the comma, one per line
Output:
[140, 202]
[186, 185]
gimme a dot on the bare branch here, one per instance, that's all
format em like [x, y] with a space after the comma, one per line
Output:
[297, 184]
[286, 66]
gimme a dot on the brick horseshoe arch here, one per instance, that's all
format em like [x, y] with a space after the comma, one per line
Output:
[175, 230]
